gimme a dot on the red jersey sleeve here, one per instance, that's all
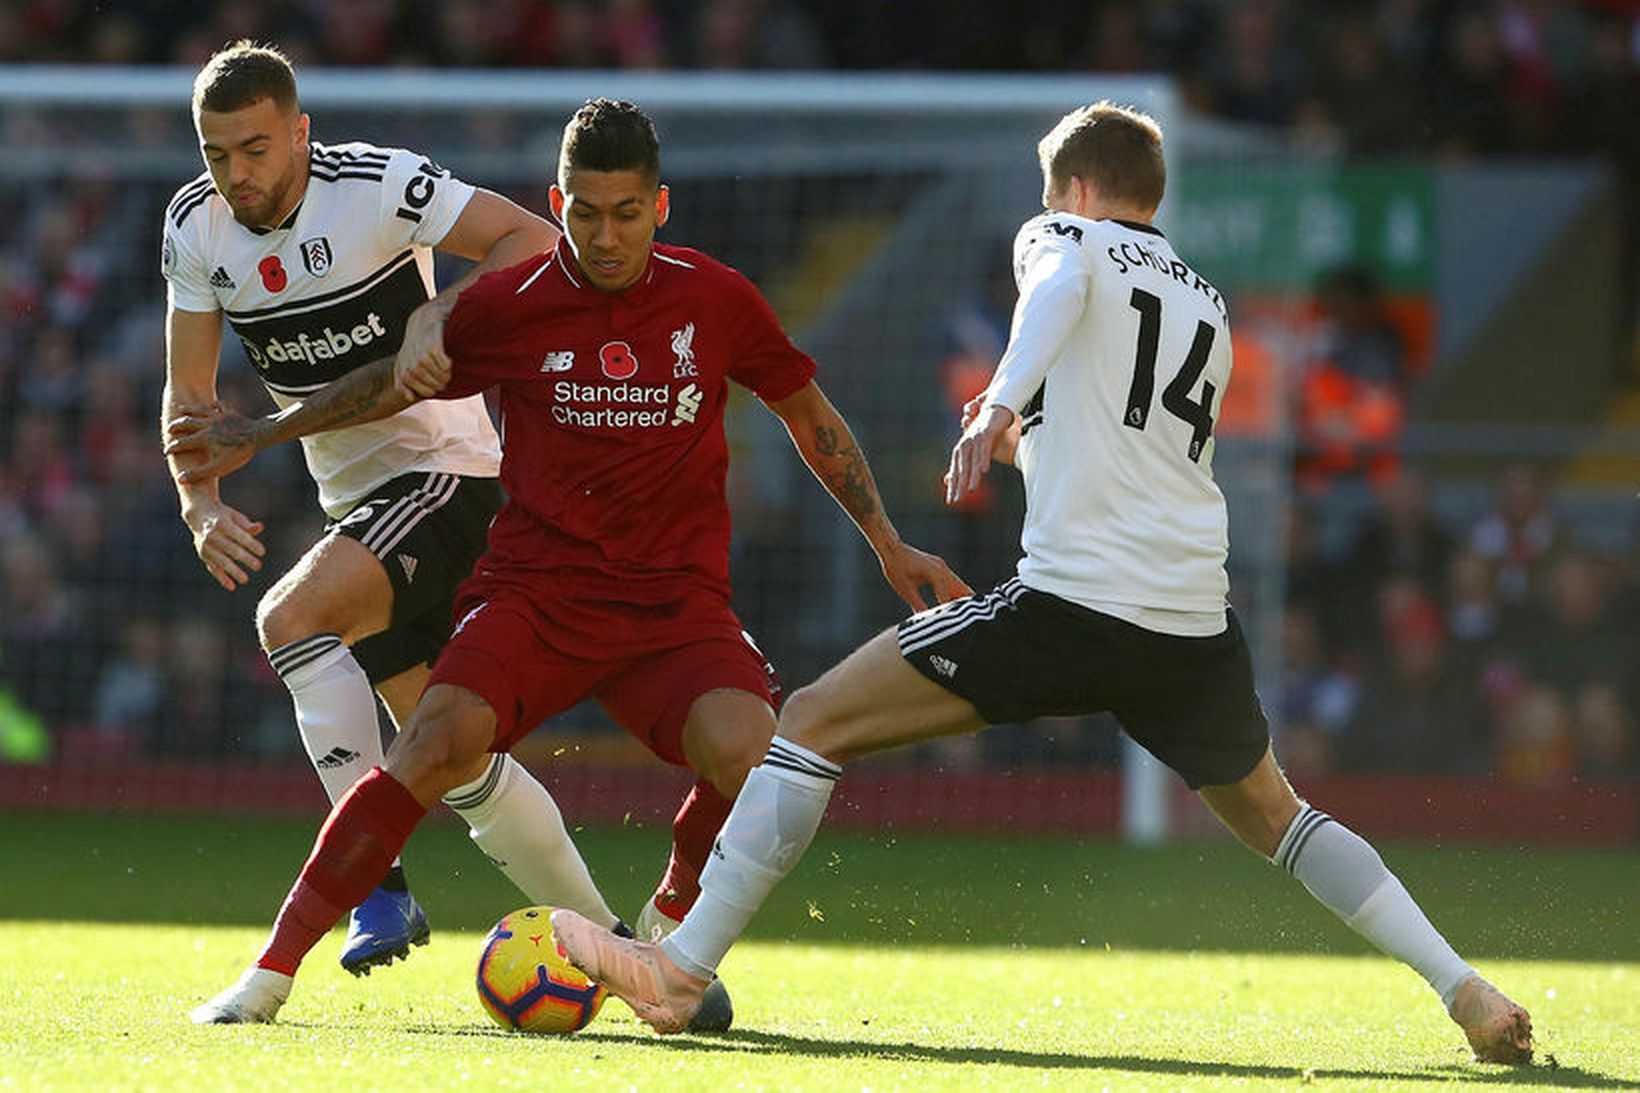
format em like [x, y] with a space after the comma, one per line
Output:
[764, 359]
[476, 358]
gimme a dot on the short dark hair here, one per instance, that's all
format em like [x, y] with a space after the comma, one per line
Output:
[1117, 148]
[610, 135]
[243, 74]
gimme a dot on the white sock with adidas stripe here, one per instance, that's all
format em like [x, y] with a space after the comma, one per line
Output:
[1344, 872]
[335, 709]
[517, 824]
[772, 823]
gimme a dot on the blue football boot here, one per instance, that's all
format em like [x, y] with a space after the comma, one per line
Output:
[383, 928]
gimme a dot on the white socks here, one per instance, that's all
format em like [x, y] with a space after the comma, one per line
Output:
[773, 821]
[335, 709]
[1345, 873]
[515, 821]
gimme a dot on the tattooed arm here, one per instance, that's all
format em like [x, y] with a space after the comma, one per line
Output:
[227, 439]
[827, 445]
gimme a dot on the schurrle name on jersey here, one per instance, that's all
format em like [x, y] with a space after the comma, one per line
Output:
[1128, 256]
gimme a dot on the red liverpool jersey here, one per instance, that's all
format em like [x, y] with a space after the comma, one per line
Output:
[613, 453]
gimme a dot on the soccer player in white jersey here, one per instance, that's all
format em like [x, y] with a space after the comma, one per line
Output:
[1105, 399]
[319, 256]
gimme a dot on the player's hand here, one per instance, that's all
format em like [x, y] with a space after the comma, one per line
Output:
[908, 570]
[218, 441]
[226, 541]
[984, 431]
[422, 367]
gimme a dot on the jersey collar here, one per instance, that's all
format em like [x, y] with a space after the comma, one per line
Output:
[1134, 225]
[284, 225]
[571, 270]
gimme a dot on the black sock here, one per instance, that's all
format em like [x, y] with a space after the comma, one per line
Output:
[394, 881]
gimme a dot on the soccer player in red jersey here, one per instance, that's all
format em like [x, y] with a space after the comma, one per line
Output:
[607, 573]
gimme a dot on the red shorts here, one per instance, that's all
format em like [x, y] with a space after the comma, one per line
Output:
[498, 653]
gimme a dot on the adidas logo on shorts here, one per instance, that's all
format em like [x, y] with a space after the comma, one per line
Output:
[943, 665]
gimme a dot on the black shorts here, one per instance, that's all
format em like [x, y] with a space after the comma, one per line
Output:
[427, 530]
[1017, 653]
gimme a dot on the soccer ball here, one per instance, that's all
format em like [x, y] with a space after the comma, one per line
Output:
[525, 982]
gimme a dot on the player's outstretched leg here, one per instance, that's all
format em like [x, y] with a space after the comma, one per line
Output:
[382, 929]
[636, 972]
[253, 1000]
[336, 716]
[1498, 1029]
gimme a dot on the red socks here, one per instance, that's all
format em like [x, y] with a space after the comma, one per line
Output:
[693, 831]
[357, 845]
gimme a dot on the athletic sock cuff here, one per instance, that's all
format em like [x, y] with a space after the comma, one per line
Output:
[1297, 836]
[785, 755]
[481, 789]
[292, 658]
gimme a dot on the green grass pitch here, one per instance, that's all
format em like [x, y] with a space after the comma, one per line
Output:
[884, 962]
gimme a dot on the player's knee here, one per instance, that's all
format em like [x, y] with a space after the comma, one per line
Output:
[445, 743]
[731, 756]
[807, 719]
[282, 617]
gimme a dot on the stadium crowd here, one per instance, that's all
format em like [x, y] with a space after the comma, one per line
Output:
[1417, 639]
[1483, 76]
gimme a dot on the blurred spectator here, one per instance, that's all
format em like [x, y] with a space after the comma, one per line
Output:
[43, 642]
[756, 34]
[1470, 104]
[1365, 93]
[1415, 712]
[1400, 537]
[1255, 72]
[1315, 699]
[131, 691]
[1519, 534]
[1475, 615]
[1353, 386]
[211, 702]
[1576, 656]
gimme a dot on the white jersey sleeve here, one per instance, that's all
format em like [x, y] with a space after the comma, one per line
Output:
[421, 201]
[1117, 362]
[181, 257]
[1053, 283]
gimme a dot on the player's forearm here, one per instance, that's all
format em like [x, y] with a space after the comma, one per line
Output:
[831, 452]
[365, 394]
[173, 404]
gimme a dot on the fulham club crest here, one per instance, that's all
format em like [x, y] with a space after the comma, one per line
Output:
[316, 256]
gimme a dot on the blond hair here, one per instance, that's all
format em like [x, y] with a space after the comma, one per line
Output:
[1117, 149]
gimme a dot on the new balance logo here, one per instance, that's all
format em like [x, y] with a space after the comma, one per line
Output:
[335, 757]
[559, 361]
[943, 665]
[220, 279]
[409, 563]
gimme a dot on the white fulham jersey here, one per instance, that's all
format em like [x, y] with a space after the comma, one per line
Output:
[1116, 366]
[328, 290]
